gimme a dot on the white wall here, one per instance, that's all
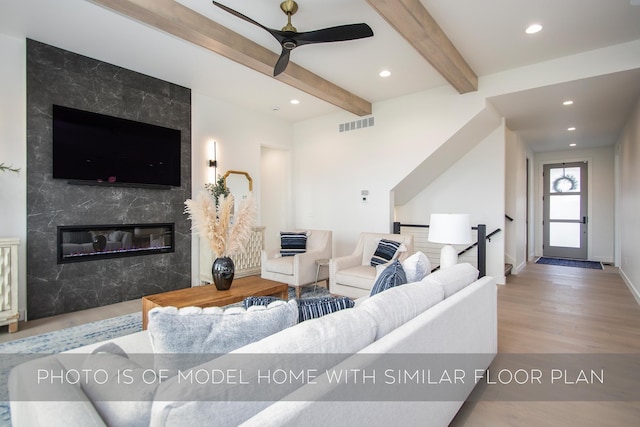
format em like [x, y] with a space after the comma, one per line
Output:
[240, 135]
[629, 202]
[332, 168]
[516, 201]
[475, 185]
[13, 128]
[600, 198]
[277, 209]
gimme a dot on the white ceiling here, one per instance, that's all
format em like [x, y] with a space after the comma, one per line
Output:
[488, 33]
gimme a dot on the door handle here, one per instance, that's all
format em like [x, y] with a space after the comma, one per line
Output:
[584, 219]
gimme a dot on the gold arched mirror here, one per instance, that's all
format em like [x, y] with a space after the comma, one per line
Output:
[239, 184]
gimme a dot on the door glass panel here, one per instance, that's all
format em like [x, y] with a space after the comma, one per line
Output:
[564, 207]
[564, 234]
[563, 180]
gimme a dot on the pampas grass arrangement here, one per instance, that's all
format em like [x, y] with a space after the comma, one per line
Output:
[226, 234]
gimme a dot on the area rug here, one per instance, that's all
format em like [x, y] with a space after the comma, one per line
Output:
[20, 350]
[570, 263]
[15, 352]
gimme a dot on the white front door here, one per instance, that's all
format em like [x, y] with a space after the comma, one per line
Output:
[565, 210]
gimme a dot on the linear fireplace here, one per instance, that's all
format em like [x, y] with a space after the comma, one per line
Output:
[91, 242]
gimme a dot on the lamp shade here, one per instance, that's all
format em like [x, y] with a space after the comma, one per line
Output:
[452, 229]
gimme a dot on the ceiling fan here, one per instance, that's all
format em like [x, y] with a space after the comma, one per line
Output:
[289, 38]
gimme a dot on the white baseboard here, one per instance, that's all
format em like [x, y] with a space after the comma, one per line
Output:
[519, 268]
[605, 260]
[630, 285]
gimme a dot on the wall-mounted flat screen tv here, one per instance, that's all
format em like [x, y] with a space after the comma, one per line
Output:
[99, 149]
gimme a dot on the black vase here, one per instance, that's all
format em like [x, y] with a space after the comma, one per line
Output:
[99, 243]
[223, 270]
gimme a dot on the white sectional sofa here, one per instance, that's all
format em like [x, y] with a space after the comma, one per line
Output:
[447, 313]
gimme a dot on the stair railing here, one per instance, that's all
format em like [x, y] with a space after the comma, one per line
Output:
[480, 243]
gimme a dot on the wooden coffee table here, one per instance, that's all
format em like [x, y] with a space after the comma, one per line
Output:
[209, 296]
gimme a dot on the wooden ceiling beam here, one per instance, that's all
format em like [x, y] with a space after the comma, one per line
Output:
[177, 19]
[411, 20]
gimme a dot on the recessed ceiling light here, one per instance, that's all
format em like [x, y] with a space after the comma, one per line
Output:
[571, 128]
[295, 102]
[573, 144]
[385, 73]
[533, 28]
[568, 102]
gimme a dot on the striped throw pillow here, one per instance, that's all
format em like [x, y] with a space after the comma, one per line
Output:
[391, 276]
[312, 308]
[292, 243]
[259, 300]
[308, 308]
[384, 252]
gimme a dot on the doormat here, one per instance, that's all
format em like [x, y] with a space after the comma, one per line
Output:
[570, 263]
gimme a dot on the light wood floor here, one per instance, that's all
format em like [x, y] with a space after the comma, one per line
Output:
[552, 309]
[544, 309]
[61, 321]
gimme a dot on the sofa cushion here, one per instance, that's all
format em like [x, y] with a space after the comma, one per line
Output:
[390, 277]
[385, 252]
[293, 242]
[318, 343]
[416, 267]
[213, 330]
[281, 265]
[120, 390]
[115, 236]
[454, 278]
[396, 306]
[360, 276]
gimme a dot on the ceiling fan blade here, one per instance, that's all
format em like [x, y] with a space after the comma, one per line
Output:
[334, 34]
[244, 17]
[282, 63]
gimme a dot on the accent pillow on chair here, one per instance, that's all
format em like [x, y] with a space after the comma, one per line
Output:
[385, 252]
[390, 277]
[292, 243]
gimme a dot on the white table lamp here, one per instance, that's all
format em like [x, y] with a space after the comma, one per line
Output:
[450, 229]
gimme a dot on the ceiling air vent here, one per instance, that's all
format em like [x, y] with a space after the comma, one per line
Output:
[367, 122]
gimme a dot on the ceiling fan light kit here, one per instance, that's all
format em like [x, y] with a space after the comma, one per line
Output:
[289, 37]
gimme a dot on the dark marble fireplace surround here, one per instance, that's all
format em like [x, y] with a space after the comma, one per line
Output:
[56, 76]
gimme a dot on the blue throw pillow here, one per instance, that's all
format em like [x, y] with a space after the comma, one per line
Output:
[263, 300]
[292, 243]
[391, 276]
[311, 308]
[308, 308]
[384, 252]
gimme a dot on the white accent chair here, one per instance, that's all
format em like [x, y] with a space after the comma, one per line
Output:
[300, 269]
[352, 275]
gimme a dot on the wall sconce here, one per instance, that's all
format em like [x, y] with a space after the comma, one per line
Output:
[212, 162]
[450, 229]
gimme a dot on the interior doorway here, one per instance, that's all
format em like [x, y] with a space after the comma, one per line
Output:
[275, 194]
[565, 210]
